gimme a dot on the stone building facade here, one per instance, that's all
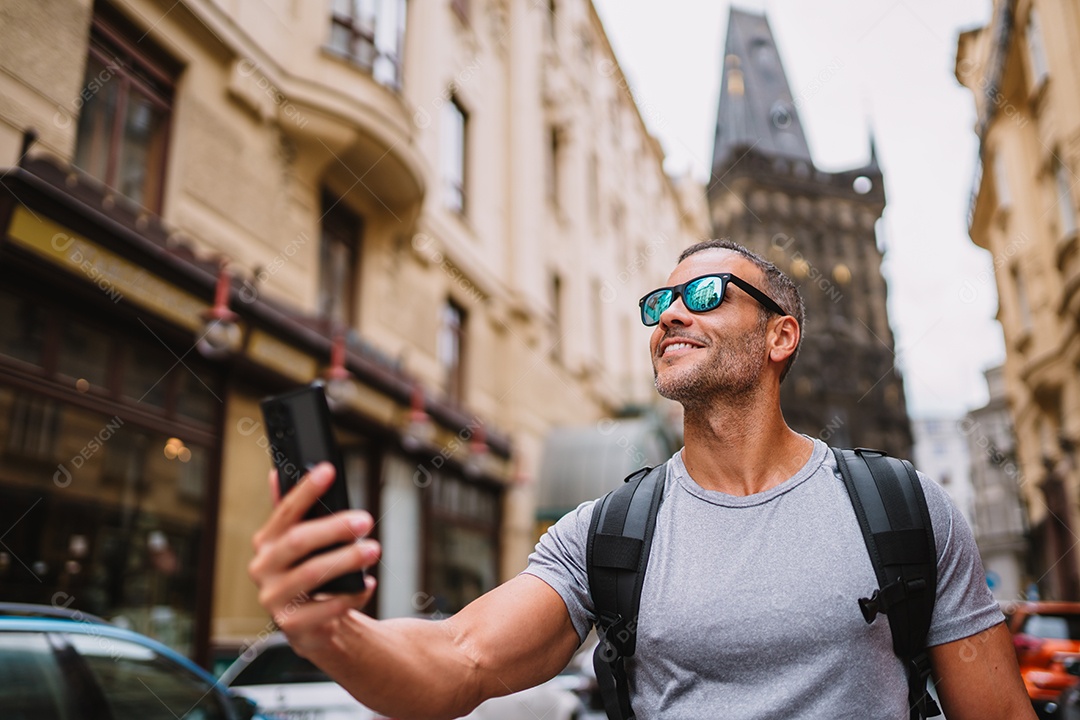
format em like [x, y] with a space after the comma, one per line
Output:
[819, 227]
[1023, 71]
[446, 209]
[1000, 519]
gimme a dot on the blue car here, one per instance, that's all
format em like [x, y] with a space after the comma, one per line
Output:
[62, 665]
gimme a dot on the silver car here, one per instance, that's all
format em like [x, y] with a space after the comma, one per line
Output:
[286, 686]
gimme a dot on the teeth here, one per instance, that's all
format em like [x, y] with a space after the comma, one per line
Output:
[677, 346]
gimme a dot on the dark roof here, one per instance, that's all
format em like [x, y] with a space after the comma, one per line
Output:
[756, 108]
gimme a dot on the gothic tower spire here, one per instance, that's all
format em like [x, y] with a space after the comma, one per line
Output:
[756, 108]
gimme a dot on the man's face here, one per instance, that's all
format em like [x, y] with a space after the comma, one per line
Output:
[716, 355]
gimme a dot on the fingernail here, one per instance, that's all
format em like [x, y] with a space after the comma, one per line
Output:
[323, 476]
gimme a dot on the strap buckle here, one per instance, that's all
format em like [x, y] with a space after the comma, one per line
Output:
[918, 694]
[613, 635]
[881, 601]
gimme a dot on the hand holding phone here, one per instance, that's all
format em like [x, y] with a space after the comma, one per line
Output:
[301, 436]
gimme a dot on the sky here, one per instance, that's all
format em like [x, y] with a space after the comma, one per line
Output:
[854, 66]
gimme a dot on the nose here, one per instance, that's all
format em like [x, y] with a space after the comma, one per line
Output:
[675, 313]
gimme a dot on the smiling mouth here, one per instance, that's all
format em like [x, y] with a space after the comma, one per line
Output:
[677, 347]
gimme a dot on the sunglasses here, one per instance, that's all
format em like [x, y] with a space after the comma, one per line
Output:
[700, 295]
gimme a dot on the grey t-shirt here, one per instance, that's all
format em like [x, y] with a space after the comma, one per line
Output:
[750, 604]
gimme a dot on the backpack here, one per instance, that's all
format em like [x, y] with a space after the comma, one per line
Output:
[891, 509]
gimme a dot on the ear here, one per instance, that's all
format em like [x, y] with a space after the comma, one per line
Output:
[783, 339]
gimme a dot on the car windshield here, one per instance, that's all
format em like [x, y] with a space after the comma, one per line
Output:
[279, 664]
[1054, 627]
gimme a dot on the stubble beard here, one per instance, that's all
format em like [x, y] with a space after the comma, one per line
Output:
[729, 375]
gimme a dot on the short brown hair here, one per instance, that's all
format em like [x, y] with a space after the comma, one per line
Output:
[778, 286]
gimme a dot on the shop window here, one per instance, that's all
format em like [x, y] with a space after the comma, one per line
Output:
[451, 350]
[452, 154]
[23, 330]
[146, 371]
[194, 398]
[462, 542]
[84, 354]
[122, 136]
[370, 33]
[339, 256]
[115, 520]
[32, 427]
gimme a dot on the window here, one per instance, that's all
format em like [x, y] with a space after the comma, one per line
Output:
[139, 683]
[554, 150]
[1066, 209]
[551, 17]
[33, 684]
[1036, 50]
[370, 33]
[454, 124]
[556, 300]
[126, 99]
[451, 349]
[462, 542]
[339, 251]
[1023, 304]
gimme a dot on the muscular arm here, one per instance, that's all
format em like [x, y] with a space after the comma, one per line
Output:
[515, 636]
[978, 678]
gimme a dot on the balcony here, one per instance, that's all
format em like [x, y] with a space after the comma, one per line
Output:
[340, 105]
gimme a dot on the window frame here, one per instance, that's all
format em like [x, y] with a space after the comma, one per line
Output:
[455, 172]
[457, 331]
[152, 75]
[346, 228]
[353, 25]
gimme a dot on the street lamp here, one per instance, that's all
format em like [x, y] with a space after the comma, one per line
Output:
[419, 431]
[340, 390]
[220, 335]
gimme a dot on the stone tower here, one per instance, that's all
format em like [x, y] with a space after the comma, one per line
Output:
[818, 227]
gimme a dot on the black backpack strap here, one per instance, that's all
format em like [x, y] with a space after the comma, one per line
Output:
[620, 536]
[889, 502]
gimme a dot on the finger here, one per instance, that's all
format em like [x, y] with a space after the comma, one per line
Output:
[304, 538]
[299, 618]
[302, 580]
[299, 499]
[275, 489]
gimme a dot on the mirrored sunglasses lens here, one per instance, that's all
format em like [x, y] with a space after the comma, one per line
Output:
[654, 306]
[704, 294]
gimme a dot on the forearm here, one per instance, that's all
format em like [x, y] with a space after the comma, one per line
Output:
[405, 667]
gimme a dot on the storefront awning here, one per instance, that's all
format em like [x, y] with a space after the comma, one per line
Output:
[583, 463]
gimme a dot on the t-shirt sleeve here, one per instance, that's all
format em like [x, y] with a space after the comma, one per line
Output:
[559, 560]
[964, 605]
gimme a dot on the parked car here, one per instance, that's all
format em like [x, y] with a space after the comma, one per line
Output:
[1045, 635]
[285, 685]
[62, 664]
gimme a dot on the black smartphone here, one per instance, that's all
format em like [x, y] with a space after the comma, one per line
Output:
[301, 436]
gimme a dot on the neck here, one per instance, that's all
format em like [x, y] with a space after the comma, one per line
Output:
[741, 449]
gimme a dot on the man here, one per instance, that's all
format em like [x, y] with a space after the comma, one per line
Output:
[749, 605]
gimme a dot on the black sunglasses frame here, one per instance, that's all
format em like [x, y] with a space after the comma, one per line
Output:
[677, 291]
